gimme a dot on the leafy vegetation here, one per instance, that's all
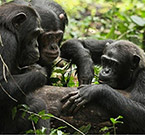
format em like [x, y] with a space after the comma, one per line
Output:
[98, 19]
[117, 19]
[102, 19]
[106, 130]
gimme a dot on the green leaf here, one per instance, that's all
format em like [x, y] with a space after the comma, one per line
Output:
[119, 117]
[85, 129]
[42, 112]
[111, 33]
[41, 131]
[47, 116]
[53, 131]
[23, 115]
[113, 120]
[30, 131]
[34, 118]
[62, 127]
[138, 20]
[59, 132]
[26, 107]
[50, 115]
[104, 129]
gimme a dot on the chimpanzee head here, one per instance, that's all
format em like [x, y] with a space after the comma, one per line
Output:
[120, 63]
[24, 23]
[50, 39]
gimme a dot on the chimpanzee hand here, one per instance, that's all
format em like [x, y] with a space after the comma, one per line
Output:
[34, 67]
[38, 68]
[76, 99]
[85, 71]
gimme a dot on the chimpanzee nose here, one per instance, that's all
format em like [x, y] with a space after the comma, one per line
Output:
[54, 47]
[107, 70]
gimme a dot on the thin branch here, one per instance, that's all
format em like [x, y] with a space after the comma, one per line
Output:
[4, 74]
[68, 124]
[4, 66]
[1, 43]
[34, 127]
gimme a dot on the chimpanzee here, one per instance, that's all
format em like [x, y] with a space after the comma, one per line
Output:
[53, 26]
[53, 21]
[84, 53]
[19, 30]
[123, 68]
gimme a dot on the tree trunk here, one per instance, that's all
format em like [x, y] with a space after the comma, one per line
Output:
[90, 114]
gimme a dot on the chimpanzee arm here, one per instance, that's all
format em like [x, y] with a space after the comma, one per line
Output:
[17, 86]
[75, 51]
[83, 53]
[111, 100]
[96, 48]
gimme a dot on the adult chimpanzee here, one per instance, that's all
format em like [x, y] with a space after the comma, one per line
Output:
[84, 53]
[19, 29]
[123, 68]
[53, 21]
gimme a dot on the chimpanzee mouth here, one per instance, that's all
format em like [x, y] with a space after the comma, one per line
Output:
[100, 81]
[103, 81]
[52, 56]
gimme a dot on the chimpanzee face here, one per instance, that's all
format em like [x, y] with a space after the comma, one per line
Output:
[28, 29]
[117, 66]
[48, 46]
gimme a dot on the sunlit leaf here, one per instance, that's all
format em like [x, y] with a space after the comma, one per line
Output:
[138, 20]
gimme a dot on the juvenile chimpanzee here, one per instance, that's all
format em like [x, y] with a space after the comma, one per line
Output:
[123, 68]
[84, 53]
[53, 21]
[19, 29]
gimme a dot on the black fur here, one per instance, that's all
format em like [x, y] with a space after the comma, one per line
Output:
[123, 68]
[53, 21]
[84, 53]
[19, 29]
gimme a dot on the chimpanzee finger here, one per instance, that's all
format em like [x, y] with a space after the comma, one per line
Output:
[73, 98]
[70, 111]
[81, 86]
[67, 105]
[83, 102]
[70, 102]
[68, 96]
[75, 103]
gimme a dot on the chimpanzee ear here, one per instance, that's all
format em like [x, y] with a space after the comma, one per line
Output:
[18, 19]
[136, 60]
